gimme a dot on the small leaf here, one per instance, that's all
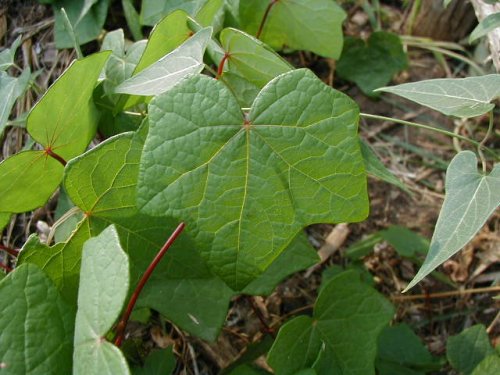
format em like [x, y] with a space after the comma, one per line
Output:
[406, 242]
[37, 325]
[467, 349]
[488, 24]
[471, 198]
[104, 283]
[372, 64]
[187, 59]
[65, 118]
[460, 97]
[314, 25]
[27, 180]
[8, 55]
[294, 161]
[10, 90]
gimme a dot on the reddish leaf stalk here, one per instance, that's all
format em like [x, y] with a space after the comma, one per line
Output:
[11, 251]
[264, 18]
[120, 328]
[52, 154]
[220, 69]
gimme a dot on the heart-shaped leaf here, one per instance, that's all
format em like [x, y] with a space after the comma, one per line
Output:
[471, 198]
[104, 282]
[185, 60]
[313, 25]
[248, 185]
[372, 64]
[65, 119]
[348, 318]
[37, 325]
[460, 97]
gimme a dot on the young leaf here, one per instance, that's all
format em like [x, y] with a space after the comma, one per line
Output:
[186, 60]
[65, 119]
[104, 282]
[460, 97]
[348, 317]
[8, 55]
[27, 180]
[485, 26]
[37, 325]
[314, 25]
[249, 185]
[471, 198]
[467, 349]
[372, 64]
[10, 90]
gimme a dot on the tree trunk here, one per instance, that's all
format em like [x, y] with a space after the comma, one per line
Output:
[452, 23]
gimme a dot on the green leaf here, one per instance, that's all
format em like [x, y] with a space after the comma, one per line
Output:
[8, 55]
[153, 11]
[348, 317]
[185, 60]
[86, 29]
[4, 219]
[27, 180]
[488, 366]
[460, 97]
[406, 242]
[247, 370]
[376, 168]
[485, 26]
[298, 256]
[211, 14]
[314, 25]
[373, 63]
[37, 325]
[104, 282]
[65, 118]
[391, 368]
[471, 198]
[250, 65]
[294, 162]
[132, 18]
[466, 350]
[10, 90]
[159, 362]
[400, 345]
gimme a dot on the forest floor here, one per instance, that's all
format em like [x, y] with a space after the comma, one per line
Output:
[435, 309]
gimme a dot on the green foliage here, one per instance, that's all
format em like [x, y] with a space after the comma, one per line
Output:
[37, 325]
[153, 11]
[311, 141]
[488, 366]
[466, 350]
[460, 97]
[320, 23]
[8, 54]
[104, 282]
[485, 26]
[159, 362]
[471, 197]
[373, 63]
[348, 317]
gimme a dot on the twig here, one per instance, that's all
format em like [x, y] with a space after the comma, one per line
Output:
[493, 323]
[453, 293]
[262, 319]
[120, 328]
[264, 18]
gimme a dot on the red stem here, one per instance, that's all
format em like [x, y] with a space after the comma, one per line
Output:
[120, 328]
[52, 154]
[11, 251]
[264, 18]
[220, 69]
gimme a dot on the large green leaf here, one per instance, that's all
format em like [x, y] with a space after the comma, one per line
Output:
[37, 325]
[104, 283]
[372, 64]
[467, 349]
[65, 119]
[294, 162]
[86, 21]
[460, 97]
[27, 180]
[164, 74]
[348, 318]
[312, 25]
[250, 64]
[471, 197]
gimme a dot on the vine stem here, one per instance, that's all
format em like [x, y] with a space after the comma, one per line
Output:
[422, 126]
[120, 328]
[52, 154]
[11, 251]
[264, 18]
[220, 69]
[483, 142]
